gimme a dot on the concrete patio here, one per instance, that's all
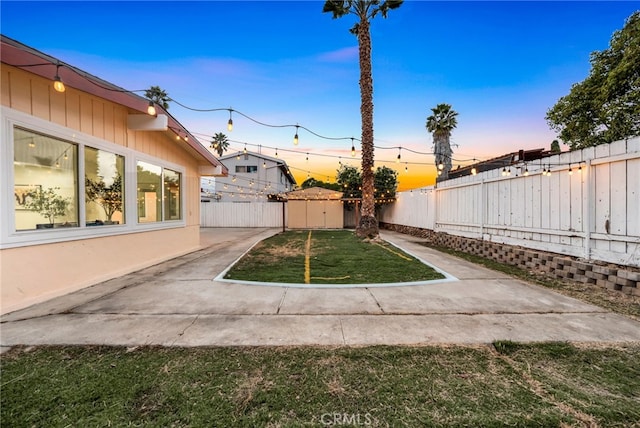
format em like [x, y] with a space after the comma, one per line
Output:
[178, 303]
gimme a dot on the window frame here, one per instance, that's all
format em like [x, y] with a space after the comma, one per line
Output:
[10, 237]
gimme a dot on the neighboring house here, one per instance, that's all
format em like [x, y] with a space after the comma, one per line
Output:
[92, 187]
[252, 176]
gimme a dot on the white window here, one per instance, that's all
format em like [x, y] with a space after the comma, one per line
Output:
[59, 184]
[158, 193]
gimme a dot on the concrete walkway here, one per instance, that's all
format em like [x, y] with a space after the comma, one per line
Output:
[177, 303]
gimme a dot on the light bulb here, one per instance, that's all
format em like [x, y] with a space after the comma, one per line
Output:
[440, 166]
[504, 172]
[398, 158]
[526, 172]
[151, 109]
[353, 151]
[57, 84]
[230, 125]
[474, 171]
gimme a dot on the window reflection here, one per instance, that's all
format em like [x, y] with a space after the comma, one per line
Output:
[104, 187]
[172, 209]
[149, 192]
[45, 177]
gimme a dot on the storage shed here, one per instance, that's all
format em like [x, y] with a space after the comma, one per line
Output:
[315, 208]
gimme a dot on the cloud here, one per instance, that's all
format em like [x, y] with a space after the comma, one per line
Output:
[340, 55]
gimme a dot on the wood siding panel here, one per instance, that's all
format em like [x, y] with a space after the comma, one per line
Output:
[86, 114]
[40, 105]
[5, 87]
[98, 118]
[58, 108]
[20, 92]
[73, 109]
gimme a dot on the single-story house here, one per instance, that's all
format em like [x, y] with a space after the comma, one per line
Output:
[93, 185]
[315, 208]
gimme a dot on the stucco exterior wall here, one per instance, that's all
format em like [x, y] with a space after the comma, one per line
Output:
[34, 273]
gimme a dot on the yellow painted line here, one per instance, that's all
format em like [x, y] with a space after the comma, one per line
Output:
[307, 262]
[395, 252]
[328, 277]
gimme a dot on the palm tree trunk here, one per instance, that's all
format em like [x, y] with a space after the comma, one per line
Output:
[368, 225]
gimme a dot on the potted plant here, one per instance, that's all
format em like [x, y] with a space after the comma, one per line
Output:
[48, 204]
[108, 197]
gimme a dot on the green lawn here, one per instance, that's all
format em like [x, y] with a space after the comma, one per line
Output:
[543, 385]
[328, 257]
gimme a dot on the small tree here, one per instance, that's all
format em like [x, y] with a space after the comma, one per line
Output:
[47, 203]
[108, 197]
[385, 183]
[605, 106]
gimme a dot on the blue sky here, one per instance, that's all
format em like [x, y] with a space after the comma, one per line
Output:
[501, 65]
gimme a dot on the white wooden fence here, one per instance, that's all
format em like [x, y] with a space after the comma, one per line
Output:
[242, 214]
[593, 213]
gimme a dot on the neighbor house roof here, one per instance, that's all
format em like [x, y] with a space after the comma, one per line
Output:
[18, 55]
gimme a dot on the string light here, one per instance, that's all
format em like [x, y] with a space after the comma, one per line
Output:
[504, 171]
[57, 81]
[230, 122]
[59, 86]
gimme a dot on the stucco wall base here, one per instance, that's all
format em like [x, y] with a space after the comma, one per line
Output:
[33, 274]
[625, 279]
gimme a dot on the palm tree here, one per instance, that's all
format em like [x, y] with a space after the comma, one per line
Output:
[440, 124]
[365, 10]
[220, 143]
[158, 96]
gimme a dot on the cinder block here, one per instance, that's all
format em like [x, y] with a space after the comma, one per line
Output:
[624, 282]
[582, 266]
[605, 270]
[627, 289]
[613, 286]
[627, 274]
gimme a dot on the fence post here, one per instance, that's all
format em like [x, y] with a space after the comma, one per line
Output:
[588, 211]
[482, 203]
